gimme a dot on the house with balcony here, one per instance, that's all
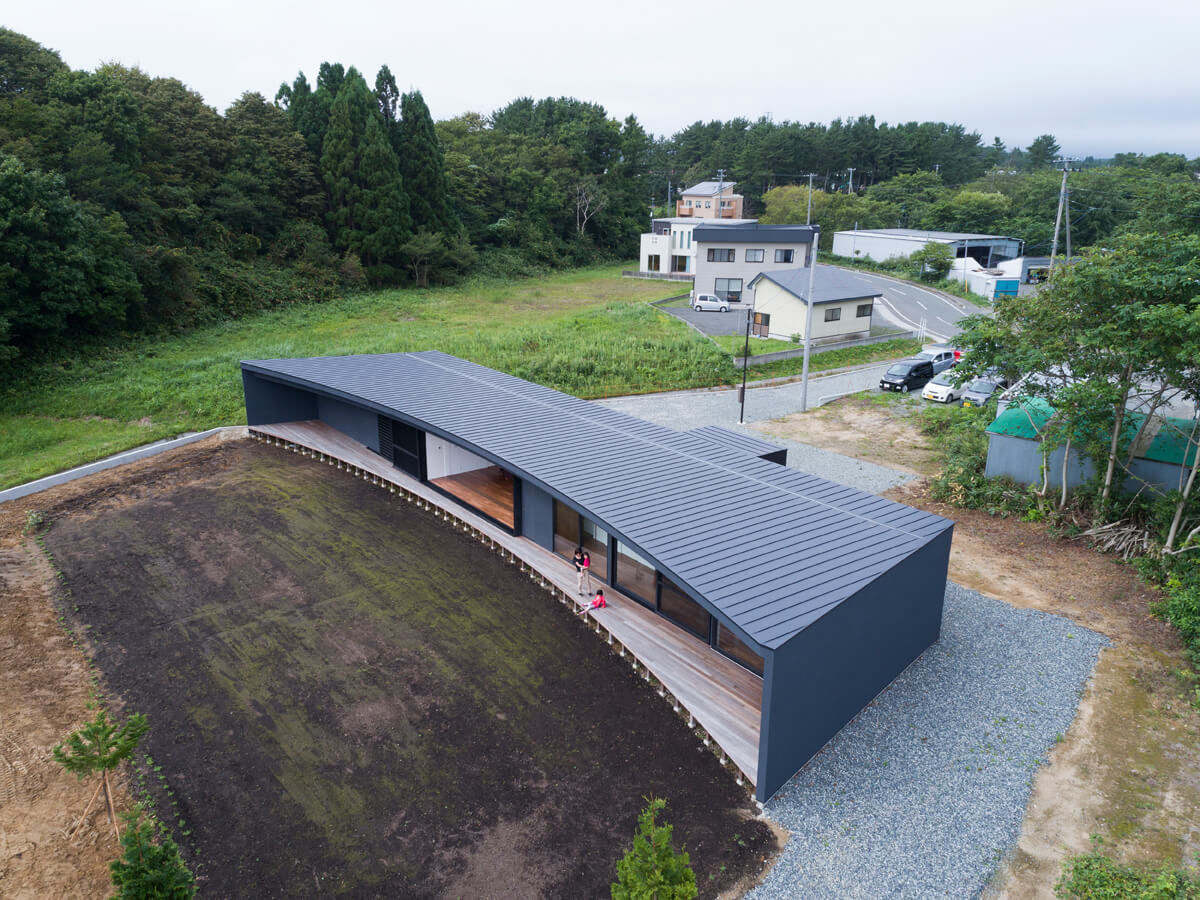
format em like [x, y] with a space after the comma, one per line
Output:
[729, 257]
[710, 200]
[669, 250]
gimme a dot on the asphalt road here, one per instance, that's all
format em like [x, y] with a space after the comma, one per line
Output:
[905, 305]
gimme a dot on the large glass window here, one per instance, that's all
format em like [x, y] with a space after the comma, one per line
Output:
[635, 573]
[728, 288]
[735, 648]
[566, 530]
[679, 263]
[652, 262]
[682, 609]
[595, 542]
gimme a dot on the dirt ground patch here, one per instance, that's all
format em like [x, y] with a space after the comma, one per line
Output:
[1129, 768]
[864, 428]
[347, 697]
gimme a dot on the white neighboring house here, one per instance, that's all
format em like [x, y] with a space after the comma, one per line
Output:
[842, 306]
[882, 244]
[728, 257]
[669, 248]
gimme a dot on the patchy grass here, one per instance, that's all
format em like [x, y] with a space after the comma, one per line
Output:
[588, 332]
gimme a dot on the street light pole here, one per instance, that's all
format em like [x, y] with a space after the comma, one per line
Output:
[745, 368]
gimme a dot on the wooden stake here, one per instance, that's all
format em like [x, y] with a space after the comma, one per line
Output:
[112, 810]
[88, 808]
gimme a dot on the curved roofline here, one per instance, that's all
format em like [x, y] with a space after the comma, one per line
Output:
[697, 511]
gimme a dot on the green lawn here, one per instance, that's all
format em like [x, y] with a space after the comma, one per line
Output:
[588, 332]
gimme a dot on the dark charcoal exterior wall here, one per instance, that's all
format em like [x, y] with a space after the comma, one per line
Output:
[537, 515]
[820, 679]
[360, 424]
[268, 401]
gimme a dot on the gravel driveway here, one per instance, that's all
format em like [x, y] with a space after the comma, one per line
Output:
[923, 794]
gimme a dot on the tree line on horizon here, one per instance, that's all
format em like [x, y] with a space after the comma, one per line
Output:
[129, 205]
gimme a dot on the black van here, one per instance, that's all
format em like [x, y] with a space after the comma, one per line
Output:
[907, 375]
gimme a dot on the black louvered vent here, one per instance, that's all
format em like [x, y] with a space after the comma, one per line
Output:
[385, 438]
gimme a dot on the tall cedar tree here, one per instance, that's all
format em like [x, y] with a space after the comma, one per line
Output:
[383, 215]
[341, 160]
[423, 168]
[387, 95]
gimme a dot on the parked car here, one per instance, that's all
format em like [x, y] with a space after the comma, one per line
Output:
[981, 391]
[907, 375]
[942, 358]
[710, 302]
[941, 389]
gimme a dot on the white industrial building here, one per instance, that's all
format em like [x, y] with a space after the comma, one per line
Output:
[881, 244]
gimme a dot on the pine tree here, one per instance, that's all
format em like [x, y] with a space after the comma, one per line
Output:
[149, 869]
[651, 870]
[387, 96]
[100, 746]
[423, 168]
[383, 215]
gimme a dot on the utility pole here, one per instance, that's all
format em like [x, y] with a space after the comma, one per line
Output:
[808, 218]
[937, 168]
[745, 368]
[850, 183]
[1065, 163]
[814, 234]
[1067, 216]
[720, 189]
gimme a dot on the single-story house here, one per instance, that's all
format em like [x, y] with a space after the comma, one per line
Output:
[822, 592]
[729, 256]
[842, 304]
[1161, 459]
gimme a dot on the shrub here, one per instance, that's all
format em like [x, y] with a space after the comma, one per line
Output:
[961, 432]
[150, 869]
[1095, 876]
[651, 870]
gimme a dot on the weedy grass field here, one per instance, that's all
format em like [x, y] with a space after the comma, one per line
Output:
[588, 332]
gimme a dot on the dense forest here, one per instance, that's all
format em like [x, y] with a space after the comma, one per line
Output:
[128, 204]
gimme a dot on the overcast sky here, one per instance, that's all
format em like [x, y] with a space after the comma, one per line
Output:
[1102, 76]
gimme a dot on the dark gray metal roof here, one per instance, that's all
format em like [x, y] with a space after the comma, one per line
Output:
[830, 284]
[758, 234]
[724, 438]
[767, 548]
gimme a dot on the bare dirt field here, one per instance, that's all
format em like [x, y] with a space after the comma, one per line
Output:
[346, 696]
[1129, 768]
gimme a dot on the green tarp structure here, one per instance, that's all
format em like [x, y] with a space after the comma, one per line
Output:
[1026, 416]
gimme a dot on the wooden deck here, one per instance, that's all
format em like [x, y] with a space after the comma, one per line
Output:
[489, 490]
[721, 697]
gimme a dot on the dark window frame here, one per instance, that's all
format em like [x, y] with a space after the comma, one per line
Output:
[864, 310]
[833, 314]
[722, 254]
[759, 258]
[785, 256]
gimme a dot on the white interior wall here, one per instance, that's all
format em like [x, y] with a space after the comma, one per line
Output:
[443, 458]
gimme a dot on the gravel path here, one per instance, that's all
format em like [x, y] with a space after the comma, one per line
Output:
[924, 792]
[682, 410]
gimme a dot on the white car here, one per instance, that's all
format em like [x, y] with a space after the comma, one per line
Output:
[941, 389]
[710, 302]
